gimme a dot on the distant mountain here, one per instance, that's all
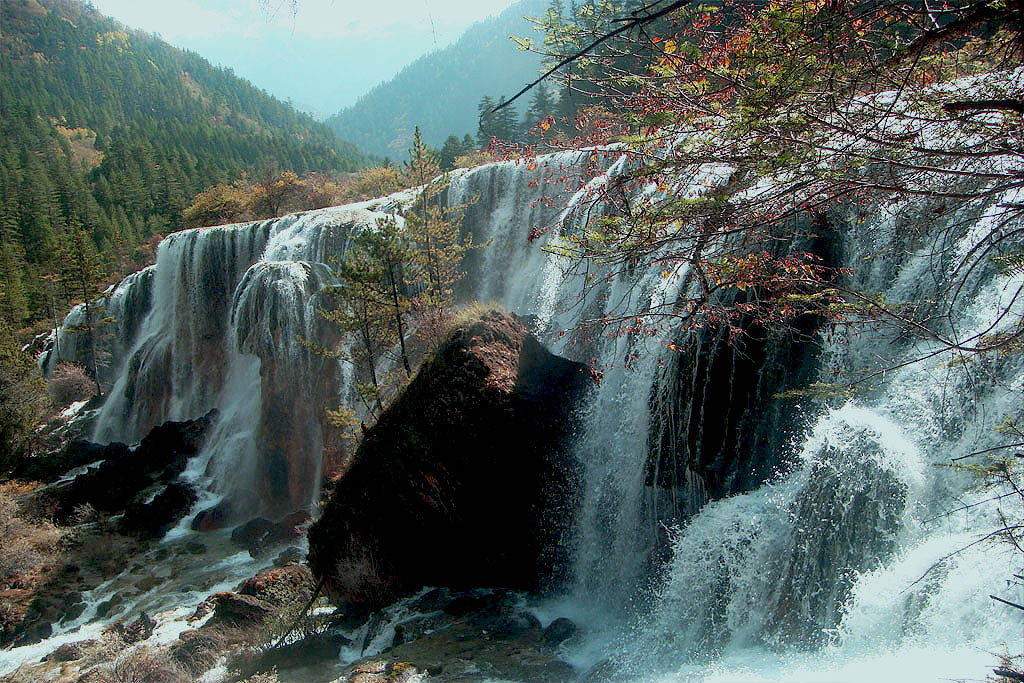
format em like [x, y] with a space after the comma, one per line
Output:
[440, 91]
[114, 131]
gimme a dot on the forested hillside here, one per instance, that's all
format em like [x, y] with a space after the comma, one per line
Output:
[441, 91]
[107, 134]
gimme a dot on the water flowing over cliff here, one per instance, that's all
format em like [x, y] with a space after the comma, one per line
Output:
[722, 531]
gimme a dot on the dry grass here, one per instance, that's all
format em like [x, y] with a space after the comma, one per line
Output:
[31, 544]
[139, 665]
[70, 383]
[473, 311]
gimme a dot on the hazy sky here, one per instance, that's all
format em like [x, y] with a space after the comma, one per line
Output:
[323, 55]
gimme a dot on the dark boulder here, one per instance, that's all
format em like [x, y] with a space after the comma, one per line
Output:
[479, 601]
[290, 555]
[416, 627]
[316, 647]
[232, 609]
[156, 518]
[250, 534]
[559, 630]
[234, 508]
[48, 468]
[124, 474]
[280, 586]
[259, 535]
[138, 630]
[69, 652]
[469, 466]
[506, 623]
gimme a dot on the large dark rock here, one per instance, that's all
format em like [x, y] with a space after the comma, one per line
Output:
[559, 630]
[285, 585]
[138, 630]
[124, 474]
[250, 534]
[233, 609]
[259, 535]
[69, 652]
[48, 468]
[468, 467]
[316, 647]
[156, 518]
[231, 510]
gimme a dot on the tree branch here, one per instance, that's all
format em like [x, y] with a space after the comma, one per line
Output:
[638, 21]
[985, 105]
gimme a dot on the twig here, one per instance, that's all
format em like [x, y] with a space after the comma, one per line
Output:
[1007, 602]
[638, 21]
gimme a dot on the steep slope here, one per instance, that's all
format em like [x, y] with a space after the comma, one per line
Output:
[440, 91]
[115, 130]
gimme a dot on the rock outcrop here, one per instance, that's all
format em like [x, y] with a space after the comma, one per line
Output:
[125, 473]
[468, 467]
[477, 635]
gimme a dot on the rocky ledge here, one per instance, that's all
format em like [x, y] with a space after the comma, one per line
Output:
[466, 479]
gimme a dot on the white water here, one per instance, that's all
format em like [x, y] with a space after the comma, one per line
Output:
[809, 577]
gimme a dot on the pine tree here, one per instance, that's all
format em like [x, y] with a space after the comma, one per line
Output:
[13, 301]
[506, 122]
[486, 126]
[81, 273]
[449, 152]
[376, 263]
[434, 230]
[541, 106]
[23, 399]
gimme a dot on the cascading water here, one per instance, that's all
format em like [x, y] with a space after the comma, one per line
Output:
[809, 576]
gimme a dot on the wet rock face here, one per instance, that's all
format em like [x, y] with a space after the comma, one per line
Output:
[293, 582]
[125, 473]
[156, 518]
[477, 635]
[721, 420]
[231, 510]
[468, 467]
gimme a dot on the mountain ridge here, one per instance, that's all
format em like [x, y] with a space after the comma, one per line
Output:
[439, 92]
[113, 131]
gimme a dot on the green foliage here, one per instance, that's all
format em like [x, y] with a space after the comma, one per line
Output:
[453, 149]
[434, 230]
[1010, 264]
[23, 400]
[440, 91]
[398, 270]
[115, 130]
[81, 272]
[501, 125]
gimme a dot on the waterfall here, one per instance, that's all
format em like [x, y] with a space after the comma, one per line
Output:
[721, 533]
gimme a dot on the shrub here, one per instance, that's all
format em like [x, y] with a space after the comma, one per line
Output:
[140, 665]
[29, 544]
[371, 183]
[69, 383]
[23, 398]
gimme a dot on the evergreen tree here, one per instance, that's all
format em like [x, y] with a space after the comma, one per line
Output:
[541, 106]
[13, 301]
[376, 264]
[487, 127]
[449, 152]
[23, 399]
[82, 272]
[502, 124]
[434, 230]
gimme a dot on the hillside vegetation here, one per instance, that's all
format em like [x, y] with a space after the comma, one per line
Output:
[440, 92]
[111, 132]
